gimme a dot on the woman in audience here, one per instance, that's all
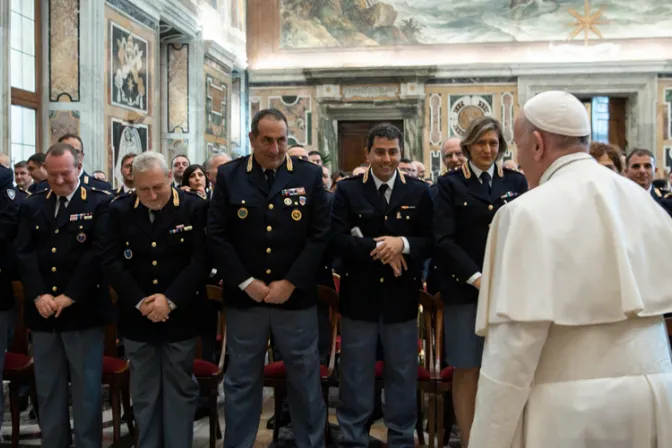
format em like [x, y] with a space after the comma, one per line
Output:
[466, 202]
[607, 155]
[194, 179]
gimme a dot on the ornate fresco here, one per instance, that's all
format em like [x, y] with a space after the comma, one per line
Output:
[128, 75]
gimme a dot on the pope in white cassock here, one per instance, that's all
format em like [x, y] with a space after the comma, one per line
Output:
[575, 284]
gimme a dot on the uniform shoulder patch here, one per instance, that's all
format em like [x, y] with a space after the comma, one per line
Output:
[11, 194]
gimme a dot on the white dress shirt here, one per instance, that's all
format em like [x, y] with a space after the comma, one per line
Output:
[388, 196]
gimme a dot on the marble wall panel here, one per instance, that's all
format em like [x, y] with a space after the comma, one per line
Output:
[175, 147]
[178, 87]
[64, 50]
[217, 91]
[61, 123]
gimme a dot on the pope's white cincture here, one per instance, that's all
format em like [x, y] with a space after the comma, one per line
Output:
[575, 283]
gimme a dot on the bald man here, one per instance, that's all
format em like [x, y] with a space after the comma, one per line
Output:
[572, 300]
[452, 155]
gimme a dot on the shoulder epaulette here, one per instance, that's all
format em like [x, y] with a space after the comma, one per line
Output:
[100, 191]
[37, 193]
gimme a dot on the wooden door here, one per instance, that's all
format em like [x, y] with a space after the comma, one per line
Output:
[617, 123]
[352, 142]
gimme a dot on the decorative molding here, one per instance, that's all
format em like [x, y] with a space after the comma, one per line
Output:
[412, 90]
[328, 92]
[640, 89]
[220, 54]
[370, 92]
[435, 120]
[141, 11]
[180, 16]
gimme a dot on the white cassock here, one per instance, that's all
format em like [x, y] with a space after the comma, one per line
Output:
[576, 280]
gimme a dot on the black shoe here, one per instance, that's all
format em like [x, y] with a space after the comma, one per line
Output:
[270, 424]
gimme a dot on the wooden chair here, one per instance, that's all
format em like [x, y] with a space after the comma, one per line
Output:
[444, 379]
[337, 282]
[210, 375]
[117, 376]
[275, 373]
[18, 368]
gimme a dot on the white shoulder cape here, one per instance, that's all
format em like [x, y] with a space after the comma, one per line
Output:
[587, 246]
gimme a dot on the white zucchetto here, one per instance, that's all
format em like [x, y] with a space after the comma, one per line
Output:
[558, 112]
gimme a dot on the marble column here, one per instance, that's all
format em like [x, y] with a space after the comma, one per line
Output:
[5, 90]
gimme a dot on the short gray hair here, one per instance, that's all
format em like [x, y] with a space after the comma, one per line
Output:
[148, 160]
[208, 162]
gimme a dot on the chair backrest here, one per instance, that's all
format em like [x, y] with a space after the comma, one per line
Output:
[337, 282]
[427, 328]
[110, 343]
[330, 298]
[20, 340]
[215, 293]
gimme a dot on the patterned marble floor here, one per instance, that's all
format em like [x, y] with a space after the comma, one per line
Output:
[30, 430]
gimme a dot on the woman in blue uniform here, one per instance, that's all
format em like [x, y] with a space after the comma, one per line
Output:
[466, 202]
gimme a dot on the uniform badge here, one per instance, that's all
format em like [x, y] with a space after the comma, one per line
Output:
[302, 200]
[11, 193]
[128, 254]
[296, 215]
[288, 201]
[81, 237]
[242, 213]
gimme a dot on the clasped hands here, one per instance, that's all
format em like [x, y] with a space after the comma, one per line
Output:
[389, 251]
[155, 308]
[48, 305]
[277, 292]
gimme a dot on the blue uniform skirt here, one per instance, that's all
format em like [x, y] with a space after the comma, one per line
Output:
[464, 349]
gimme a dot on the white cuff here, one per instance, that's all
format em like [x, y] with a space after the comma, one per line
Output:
[473, 278]
[407, 247]
[246, 283]
[139, 304]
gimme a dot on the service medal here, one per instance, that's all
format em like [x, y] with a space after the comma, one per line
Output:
[242, 213]
[288, 201]
[128, 254]
[296, 215]
[81, 237]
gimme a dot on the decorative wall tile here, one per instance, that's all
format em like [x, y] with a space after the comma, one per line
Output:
[298, 111]
[216, 102]
[61, 123]
[126, 138]
[507, 116]
[129, 83]
[64, 50]
[464, 109]
[435, 119]
[255, 106]
[435, 164]
[178, 87]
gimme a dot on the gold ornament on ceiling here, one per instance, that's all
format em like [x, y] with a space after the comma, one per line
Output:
[587, 22]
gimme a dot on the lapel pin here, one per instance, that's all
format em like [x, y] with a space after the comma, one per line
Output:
[81, 237]
[288, 201]
[296, 215]
[128, 254]
[242, 213]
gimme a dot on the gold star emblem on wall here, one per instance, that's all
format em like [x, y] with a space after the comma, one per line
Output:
[587, 22]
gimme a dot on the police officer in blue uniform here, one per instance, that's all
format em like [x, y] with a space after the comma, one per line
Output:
[67, 300]
[268, 226]
[466, 202]
[382, 229]
[156, 260]
[10, 198]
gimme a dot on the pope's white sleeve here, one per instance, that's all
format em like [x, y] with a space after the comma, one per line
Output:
[510, 359]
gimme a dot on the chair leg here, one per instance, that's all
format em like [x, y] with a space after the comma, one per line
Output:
[15, 411]
[33, 399]
[277, 399]
[440, 430]
[418, 423]
[115, 405]
[325, 396]
[213, 415]
[126, 404]
[431, 419]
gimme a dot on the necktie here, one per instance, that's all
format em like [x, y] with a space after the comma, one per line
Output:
[485, 179]
[270, 177]
[153, 215]
[381, 192]
[61, 207]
